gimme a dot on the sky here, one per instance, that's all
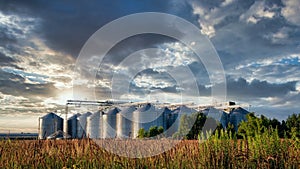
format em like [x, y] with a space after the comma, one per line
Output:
[258, 42]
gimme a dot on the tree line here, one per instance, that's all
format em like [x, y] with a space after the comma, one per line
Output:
[254, 125]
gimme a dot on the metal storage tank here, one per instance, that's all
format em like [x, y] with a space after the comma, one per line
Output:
[167, 118]
[224, 119]
[236, 116]
[72, 125]
[146, 117]
[94, 125]
[213, 113]
[49, 124]
[124, 122]
[176, 116]
[109, 123]
[81, 125]
[219, 115]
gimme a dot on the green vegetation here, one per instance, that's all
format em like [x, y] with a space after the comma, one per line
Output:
[250, 128]
[189, 130]
[259, 125]
[153, 131]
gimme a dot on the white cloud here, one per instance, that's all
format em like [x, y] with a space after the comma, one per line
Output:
[174, 54]
[298, 86]
[227, 2]
[275, 70]
[207, 18]
[17, 26]
[257, 12]
[279, 37]
[149, 81]
[35, 58]
[251, 19]
[291, 11]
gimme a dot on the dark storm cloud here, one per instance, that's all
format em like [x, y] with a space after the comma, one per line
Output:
[241, 89]
[5, 60]
[15, 85]
[132, 44]
[67, 25]
[238, 40]
[8, 61]
[257, 89]
[5, 37]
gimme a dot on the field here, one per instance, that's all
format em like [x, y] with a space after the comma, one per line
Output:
[257, 152]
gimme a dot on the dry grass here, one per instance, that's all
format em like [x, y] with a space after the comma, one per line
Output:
[213, 153]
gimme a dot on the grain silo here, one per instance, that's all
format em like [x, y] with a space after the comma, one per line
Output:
[94, 125]
[224, 119]
[49, 124]
[167, 118]
[81, 125]
[146, 117]
[72, 125]
[109, 123]
[236, 116]
[124, 122]
[213, 113]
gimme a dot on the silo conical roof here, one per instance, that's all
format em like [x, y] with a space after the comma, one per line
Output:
[145, 107]
[112, 111]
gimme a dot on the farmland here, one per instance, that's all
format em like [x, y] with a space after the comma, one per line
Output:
[259, 143]
[265, 151]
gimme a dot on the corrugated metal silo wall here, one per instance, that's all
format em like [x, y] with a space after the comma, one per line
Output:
[124, 122]
[109, 125]
[81, 125]
[109, 120]
[173, 124]
[93, 125]
[236, 116]
[174, 119]
[167, 118]
[225, 119]
[49, 124]
[72, 125]
[146, 118]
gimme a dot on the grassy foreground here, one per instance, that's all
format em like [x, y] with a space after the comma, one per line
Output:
[257, 152]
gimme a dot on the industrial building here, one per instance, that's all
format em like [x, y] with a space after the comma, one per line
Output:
[119, 121]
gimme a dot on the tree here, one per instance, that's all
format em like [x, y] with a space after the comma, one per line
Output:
[252, 126]
[293, 125]
[153, 131]
[191, 125]
[160, 130]
[142, 133]
[199, 121]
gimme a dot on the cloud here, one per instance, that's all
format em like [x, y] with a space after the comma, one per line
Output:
[281, 36]
[16, 85]
[6, 61]
[278, 69]
[291, 11]
[149, 79]
[258, 11]
[83, 19]
[213, 15]
[241, 88]
[257, 41]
